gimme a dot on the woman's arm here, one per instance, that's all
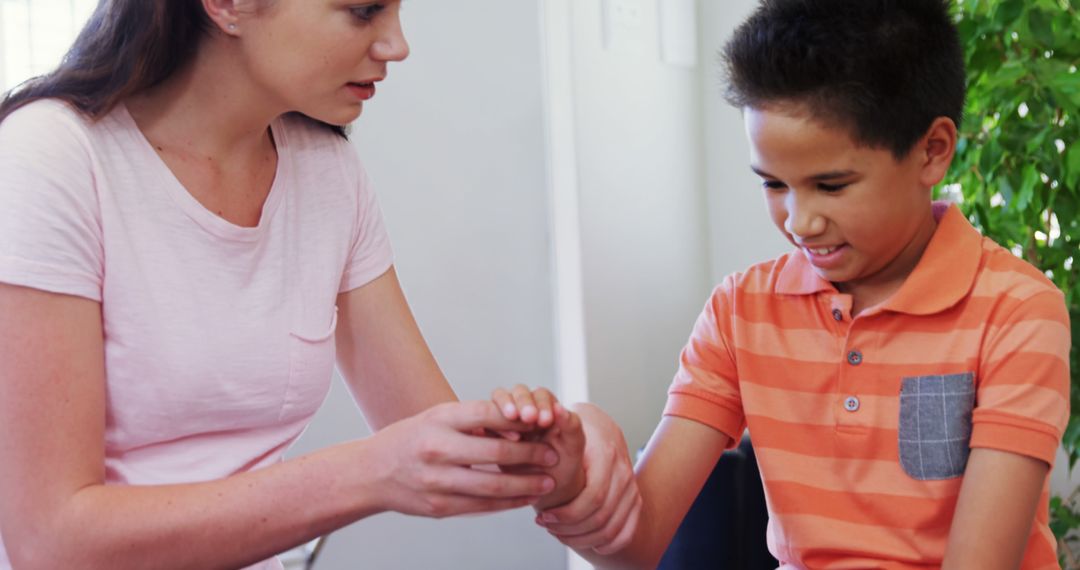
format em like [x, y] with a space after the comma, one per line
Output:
[383, 357]
[995, 511]
[56, 512]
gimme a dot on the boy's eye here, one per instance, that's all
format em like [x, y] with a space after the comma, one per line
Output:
[831, 187]
[773, 184]
[366, 12]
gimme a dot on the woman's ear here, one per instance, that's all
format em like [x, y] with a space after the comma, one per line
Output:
[225, 14]
[935, 151]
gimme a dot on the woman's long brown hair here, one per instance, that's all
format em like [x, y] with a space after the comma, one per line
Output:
[126, 46]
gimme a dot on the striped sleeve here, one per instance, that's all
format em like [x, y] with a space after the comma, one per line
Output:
[1022, 398]
[706, 387]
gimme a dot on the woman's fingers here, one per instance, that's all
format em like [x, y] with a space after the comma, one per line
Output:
[469, 450]
[467, 416]
[487, 484]
[440, 506]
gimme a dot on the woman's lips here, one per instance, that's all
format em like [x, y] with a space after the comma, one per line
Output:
[362, 91]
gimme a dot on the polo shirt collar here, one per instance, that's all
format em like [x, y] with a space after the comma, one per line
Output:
[798, 277]
[946, 272]
[943, 276]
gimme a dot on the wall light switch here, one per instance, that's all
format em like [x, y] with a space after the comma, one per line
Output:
[625, 28]
[678, 32]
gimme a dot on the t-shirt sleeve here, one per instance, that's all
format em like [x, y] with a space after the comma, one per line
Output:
[1022, 394]
[50, 222]
[706, 387]
[370, 255]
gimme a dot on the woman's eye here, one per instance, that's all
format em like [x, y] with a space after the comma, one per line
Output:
[366, 12]
[831, 187]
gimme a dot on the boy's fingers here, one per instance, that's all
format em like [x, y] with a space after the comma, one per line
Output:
[560, 411]
[505, 402]
[604, 535]
[545, 401]
[526, 405]
[592, 509]
[622, 540]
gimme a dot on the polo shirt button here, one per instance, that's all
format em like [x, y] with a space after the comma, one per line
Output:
[837, 315]
[854, 358]
[851, 404]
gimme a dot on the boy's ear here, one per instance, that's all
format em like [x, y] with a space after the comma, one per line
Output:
[935, 151]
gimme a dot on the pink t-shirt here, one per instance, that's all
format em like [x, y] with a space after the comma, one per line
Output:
[219, 339]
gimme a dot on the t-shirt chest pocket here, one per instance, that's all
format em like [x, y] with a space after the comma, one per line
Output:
[935, 424]
[311, 367]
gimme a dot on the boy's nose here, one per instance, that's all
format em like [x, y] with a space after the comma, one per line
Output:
[803, 222]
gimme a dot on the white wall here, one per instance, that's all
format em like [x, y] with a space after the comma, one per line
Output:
[454, 142]
[740, 231]
[644, 250]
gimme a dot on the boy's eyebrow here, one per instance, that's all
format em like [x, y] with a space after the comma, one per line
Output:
[830, 175]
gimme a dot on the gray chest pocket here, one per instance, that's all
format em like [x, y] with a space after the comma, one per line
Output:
[935, 425]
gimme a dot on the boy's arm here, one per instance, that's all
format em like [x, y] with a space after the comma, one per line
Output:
[674, 467]
[995, 510]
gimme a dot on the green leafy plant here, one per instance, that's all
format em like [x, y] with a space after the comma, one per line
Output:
[1017, 167]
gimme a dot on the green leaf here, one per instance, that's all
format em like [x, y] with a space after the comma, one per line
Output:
[1009, 154]
[989, 160]
[1072, 165]
[1007, 13]
[1039, 23]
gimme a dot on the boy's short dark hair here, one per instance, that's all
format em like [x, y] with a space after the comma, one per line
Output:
[884, 69]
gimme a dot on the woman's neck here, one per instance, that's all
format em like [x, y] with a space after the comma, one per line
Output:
[208, 108]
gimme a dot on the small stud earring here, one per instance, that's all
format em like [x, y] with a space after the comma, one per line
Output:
[232, 27]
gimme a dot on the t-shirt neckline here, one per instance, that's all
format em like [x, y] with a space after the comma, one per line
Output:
[198, 213]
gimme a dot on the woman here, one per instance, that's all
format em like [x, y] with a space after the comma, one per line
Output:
[186, 241]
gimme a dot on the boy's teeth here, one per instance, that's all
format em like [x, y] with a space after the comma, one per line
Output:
[823, 250]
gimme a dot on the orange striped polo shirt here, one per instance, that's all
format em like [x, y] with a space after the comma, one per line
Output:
[862, 426]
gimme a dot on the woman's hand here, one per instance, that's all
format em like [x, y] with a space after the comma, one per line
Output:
[425, 463]
[604, 516]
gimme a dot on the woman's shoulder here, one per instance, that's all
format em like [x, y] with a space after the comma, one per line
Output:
[44, 114]
[52, 126]
[45, 135]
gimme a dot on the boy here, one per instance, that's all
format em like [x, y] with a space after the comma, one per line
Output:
[905, 381]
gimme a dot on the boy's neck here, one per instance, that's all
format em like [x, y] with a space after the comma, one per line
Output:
[877, 288]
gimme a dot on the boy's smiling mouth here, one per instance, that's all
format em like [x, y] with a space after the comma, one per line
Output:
[825, 257]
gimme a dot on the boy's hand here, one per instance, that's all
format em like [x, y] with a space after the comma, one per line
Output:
[567, 437]
[605, 515]
[554, 425]
[534, 407]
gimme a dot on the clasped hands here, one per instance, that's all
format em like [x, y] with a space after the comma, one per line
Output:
[572, 465]
[595, 503]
